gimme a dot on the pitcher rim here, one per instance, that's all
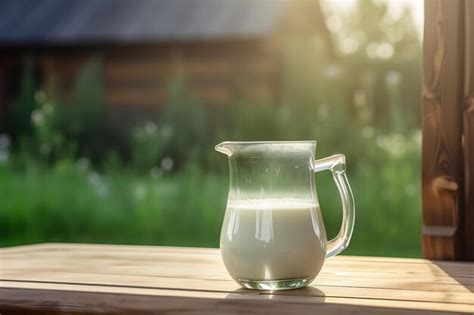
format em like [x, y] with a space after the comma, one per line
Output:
[223, 147]
[269, 142]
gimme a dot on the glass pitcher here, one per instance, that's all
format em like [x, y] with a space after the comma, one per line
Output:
[273, 236]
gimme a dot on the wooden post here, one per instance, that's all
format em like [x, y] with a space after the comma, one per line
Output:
[469, 132]
[442, 123]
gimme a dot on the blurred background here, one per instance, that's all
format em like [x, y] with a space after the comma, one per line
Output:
[109, 112]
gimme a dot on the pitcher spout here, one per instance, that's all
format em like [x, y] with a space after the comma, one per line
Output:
[224, 147]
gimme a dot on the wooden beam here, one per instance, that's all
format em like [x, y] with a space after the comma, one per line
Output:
[469, 132]
[442, 124]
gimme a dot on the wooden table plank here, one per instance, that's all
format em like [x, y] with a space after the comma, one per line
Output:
[229, 286]
[148, 255]
[143, 279]
[113, 302]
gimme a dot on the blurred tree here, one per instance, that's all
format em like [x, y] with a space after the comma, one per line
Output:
[381, 51]
[185, 121]
[20, 124]
[82, 117]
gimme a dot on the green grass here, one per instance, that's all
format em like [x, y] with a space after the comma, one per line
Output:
[63, 204]
[66, 204]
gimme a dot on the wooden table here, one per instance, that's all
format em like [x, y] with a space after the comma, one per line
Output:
[79, 278]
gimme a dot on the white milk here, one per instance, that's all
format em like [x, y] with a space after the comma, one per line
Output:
[273, 239]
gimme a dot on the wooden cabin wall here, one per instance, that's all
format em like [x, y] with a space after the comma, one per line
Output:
[218, 74]
[136, 78]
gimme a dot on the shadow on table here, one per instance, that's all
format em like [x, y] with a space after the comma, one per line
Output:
[462, 272]
[309, 291]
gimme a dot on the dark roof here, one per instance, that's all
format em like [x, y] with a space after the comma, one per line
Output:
[93, 21]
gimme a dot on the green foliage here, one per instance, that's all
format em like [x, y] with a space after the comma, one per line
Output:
[184, 122]
[379, 50]
[82, 118]
[53, 129]
[70, 202]
[250, 121]
[386, 187]
[50, 142]
[172, 189]
[179, 134]
[83, 114]
[25, 103]
[147, 144]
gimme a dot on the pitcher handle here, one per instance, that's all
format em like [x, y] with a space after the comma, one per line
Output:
[337, 165]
